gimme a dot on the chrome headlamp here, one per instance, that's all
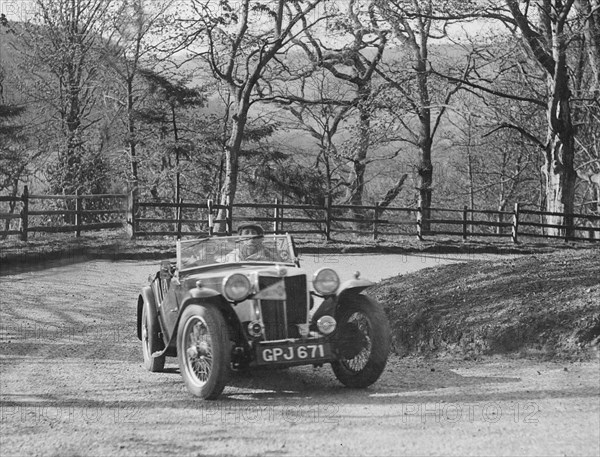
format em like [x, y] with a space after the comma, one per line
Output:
[236, 287]
[325, 281]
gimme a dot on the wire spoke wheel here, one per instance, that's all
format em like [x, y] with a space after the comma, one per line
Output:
[203, 350]
[363, 341]
[360, 360]
[198, 349]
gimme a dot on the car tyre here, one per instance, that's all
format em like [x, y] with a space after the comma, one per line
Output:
[203, 351]
[363, 340]
[151, 341]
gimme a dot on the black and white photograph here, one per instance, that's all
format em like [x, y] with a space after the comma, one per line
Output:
[299, 228]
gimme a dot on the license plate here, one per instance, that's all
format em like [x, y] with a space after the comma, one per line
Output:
[295, 352]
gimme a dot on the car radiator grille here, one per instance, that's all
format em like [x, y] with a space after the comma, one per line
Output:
[276, 313]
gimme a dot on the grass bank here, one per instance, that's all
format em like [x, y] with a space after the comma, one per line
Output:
[541, 304]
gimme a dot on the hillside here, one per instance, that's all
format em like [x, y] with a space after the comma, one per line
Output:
[540, 304]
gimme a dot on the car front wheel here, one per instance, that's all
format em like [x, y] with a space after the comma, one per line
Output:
[151, 341]
[363, 340]
[203, 351]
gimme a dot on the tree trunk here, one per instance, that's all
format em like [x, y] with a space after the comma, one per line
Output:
[11, 205]
[560, 186]
[131, 136]
[358, 160]
[425, 168]
[560, 152]
[471, 175]
[176, 138]
[232, 150]
[424, 184]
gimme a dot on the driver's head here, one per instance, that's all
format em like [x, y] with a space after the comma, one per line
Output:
[250, 230]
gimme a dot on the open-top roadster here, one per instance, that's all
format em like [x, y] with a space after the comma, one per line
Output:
[238, 302]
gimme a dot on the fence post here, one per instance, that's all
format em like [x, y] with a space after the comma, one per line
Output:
[229, 217]
[25, 213]
[78, 214]
[130, 214]
[179, 212]
[465, 223]
[515, 224]
[276, 217]
[375, 220]
[281, 228]
[328, 217]
[420, 223]
[211, 227]
[569, 221]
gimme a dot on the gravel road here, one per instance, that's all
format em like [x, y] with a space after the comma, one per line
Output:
[72, 383]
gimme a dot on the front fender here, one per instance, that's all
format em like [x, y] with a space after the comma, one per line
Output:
[197, 295]
[331, 304]
[193, 297]
[146, 296]
[351, 287]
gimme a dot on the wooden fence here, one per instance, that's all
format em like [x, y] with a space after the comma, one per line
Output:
[63, 213]
[79, 213]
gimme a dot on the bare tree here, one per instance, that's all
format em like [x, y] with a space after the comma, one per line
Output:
[353, 65]
[319, 104]
[549, 31]
[350, 62]
[175, 95]
[545, 29]
[129, 46]
[415, 23]
[12, 161]
[60, 50]
[587, 84]
[244, 40]
[501, 165]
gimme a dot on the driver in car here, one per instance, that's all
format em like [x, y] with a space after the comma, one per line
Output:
[251, 246]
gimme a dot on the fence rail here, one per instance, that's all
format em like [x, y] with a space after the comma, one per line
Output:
[79, 213]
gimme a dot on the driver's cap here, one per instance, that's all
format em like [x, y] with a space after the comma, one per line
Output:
[258, 228]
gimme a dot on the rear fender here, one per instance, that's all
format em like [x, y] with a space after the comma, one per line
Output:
[146, 296]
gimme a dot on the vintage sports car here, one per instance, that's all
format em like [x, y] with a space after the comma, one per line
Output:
[238, 302]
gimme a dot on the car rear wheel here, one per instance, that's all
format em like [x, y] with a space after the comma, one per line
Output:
[151, 341]
[363, 340]
[203, 351]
